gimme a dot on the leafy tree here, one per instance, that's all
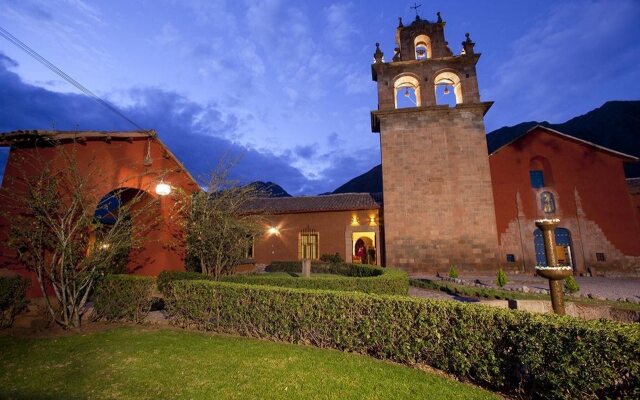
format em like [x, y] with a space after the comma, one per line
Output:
[219, 230]
[64, 230]
[453, 273]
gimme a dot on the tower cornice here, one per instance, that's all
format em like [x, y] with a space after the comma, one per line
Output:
[480, 107]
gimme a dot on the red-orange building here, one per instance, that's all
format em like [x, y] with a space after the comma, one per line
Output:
[309, 227]
[110, 161]
[548, 174]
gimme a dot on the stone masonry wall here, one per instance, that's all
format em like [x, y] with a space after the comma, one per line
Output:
[438, 202]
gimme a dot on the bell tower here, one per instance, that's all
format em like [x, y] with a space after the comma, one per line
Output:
[438, 199]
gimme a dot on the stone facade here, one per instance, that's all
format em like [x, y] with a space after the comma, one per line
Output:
[438, 203]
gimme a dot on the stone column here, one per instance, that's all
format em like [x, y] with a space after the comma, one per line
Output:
[306, 268]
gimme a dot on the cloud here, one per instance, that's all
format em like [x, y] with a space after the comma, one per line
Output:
[340, 29]
[576, 51]
[194, 132]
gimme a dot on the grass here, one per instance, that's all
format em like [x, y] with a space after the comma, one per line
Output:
[137, 363]
[500, 294]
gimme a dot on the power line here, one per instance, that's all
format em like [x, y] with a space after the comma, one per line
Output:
[4, 33]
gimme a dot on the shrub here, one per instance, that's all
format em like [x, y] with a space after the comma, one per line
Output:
[501, 279]
[358, 277]
[331, 258]
[543, 356]
[570, 285]
[166, 277]
[453, 273]
[13, 298]
[123, 297]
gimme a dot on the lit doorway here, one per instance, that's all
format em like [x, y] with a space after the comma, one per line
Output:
[364, 248]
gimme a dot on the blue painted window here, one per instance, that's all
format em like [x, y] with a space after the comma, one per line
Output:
[537, 179]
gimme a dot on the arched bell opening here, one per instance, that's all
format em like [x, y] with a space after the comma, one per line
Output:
[448, 89]
[422, 46]
[407, 92]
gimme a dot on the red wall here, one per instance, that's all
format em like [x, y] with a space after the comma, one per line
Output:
[110, 165]
[597, 175]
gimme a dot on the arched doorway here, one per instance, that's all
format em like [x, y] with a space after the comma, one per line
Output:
[564, 250]
[121, 219]
[364, 248]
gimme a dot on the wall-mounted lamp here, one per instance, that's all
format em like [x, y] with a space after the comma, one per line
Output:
[372, 221]
[163, 189]
[354, 221]
[273, 230]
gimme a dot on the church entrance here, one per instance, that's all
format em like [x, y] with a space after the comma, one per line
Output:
[564, 252]
[364, 248]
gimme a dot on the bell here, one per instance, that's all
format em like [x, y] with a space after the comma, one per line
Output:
[406, 93]
[446, 90]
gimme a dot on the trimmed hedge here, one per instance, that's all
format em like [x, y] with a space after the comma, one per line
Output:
[538, 356]
[13, 298]
[346, 269]
[349, 277]
[124, 297]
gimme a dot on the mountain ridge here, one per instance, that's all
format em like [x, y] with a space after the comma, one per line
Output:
[615, 125]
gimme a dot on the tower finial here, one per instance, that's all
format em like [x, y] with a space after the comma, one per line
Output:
[378, 56]
[400, 22]
[439, 17]
[468, 44]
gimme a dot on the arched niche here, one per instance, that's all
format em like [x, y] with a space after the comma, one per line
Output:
[407, 86]
[422, 47]
[451, 83]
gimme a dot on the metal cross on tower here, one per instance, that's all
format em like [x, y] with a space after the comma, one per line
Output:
[415, 8]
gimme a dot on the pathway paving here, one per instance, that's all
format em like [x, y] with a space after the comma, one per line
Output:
[608, 288]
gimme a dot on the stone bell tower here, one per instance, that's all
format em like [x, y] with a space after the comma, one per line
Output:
[438, 200]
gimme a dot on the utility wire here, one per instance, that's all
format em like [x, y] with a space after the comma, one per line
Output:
[4, 33]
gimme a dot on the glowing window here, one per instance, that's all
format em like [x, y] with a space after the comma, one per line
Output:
[308, 245]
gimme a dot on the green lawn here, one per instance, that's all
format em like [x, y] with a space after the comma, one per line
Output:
[138, 363]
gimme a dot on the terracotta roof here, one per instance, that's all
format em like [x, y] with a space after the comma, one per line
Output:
[331, 202]
[627, 157]
[634, 185]
[53, 137]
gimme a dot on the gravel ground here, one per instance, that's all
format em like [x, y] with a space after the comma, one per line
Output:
[608, 288]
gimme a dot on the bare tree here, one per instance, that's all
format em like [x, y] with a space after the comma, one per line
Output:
[218, 228]
[69, 233]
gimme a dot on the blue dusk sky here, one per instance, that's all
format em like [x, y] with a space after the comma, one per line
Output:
[284, 85]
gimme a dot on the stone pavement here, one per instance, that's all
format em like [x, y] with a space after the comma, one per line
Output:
[597, 287]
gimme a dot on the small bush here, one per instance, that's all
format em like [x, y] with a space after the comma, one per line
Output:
[453, 273]
[123, 297]
[331, 258]
[501, 279]
[570, 285]
[166, 277]
[530, 355]
[13, 298]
